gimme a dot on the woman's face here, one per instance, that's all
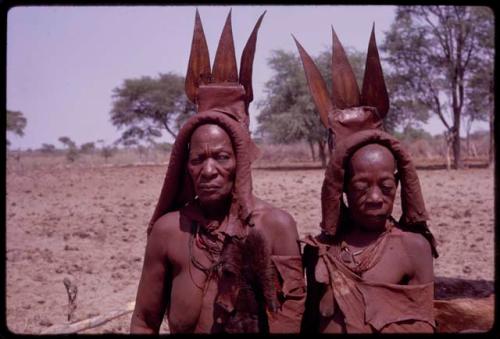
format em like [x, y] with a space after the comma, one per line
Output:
[371, 186]
[211, 164]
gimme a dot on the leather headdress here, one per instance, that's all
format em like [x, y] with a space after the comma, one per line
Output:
[220, 88]
[347, 110]
[222, 98]
[355, 120]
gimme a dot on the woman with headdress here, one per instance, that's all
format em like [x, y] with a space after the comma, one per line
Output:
[366, 272]
[218, 259]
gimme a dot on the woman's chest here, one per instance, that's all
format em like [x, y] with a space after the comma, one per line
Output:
[392, 264]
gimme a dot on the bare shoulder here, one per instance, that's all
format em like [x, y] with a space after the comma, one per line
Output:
[416, 244]
[278, 227]
[166, 225]
[273, 217]
[420, 254]
[166, 232]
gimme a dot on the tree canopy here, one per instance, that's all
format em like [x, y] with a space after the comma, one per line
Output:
[16, 123]
[148, 105]
[48, 148]
[66, 141]
[72, 150]
[87, 147]
[434, 53]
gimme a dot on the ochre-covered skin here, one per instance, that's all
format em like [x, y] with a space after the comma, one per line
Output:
[218, 259]
[171, 284]
[390, 297]
[366, 272]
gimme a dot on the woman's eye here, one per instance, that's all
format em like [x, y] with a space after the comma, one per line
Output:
[360, 186]
[222, 157]
[196, 161]
[387, 186]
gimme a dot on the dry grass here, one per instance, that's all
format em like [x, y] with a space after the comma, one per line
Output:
[427, 153]
[28, 161]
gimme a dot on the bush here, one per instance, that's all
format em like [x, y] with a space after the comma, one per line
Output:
[72, 154]
[48, 149]
[87, 147]
[107, 152]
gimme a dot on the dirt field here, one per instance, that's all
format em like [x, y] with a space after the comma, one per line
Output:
[88, 225]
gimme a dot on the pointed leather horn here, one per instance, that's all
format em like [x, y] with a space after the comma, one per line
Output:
[317, 85]
[374, 92]
[199, 61]
[345, 90]
[225, 69]
[246, 63]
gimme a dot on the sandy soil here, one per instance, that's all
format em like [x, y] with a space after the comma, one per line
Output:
[89, 225]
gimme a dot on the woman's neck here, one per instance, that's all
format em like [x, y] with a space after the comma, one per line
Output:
[216, 211]
[360, 237]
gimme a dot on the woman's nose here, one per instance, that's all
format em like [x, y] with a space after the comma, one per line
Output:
[208, 170]
[374, 195]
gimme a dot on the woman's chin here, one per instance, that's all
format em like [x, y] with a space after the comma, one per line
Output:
[373, 223]
[213, 199]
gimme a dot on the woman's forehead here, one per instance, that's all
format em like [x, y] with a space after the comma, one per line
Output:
[209, 133]
[372, 156]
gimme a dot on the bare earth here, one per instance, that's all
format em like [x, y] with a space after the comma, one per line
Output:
[89, 225]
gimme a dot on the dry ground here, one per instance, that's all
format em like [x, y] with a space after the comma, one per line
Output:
[88, 224]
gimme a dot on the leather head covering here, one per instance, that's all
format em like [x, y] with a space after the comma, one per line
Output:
[412, 202]
[354, 120]
[222, 98]
[347, 110]
[177, 187]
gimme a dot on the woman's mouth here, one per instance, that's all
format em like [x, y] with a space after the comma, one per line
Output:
[209, 188]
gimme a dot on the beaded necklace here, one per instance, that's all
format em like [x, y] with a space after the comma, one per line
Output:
[364, 259]
[211, 243]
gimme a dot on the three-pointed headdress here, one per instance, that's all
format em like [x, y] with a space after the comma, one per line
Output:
[222, 98]
[220, 88]
[347, 110]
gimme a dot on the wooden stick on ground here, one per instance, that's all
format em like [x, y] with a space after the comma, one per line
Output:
[89, 323]
[72, 291]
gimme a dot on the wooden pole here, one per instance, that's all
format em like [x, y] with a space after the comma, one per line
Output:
[90, 322]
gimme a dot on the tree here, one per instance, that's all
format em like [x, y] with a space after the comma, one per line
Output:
[433, 51]
[48, 148]
[107, 151]
[16, 123]
[66, 141]
[87, 147]
[479, 100]
[287, 113]
[146, 106]
[412, 134]
[480, 92]
[72, 153]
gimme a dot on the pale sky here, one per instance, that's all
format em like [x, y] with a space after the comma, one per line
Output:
[63, 62]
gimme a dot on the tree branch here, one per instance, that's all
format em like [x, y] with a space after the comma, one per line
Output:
[438, 108]
[165, 124]
[442, 41]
